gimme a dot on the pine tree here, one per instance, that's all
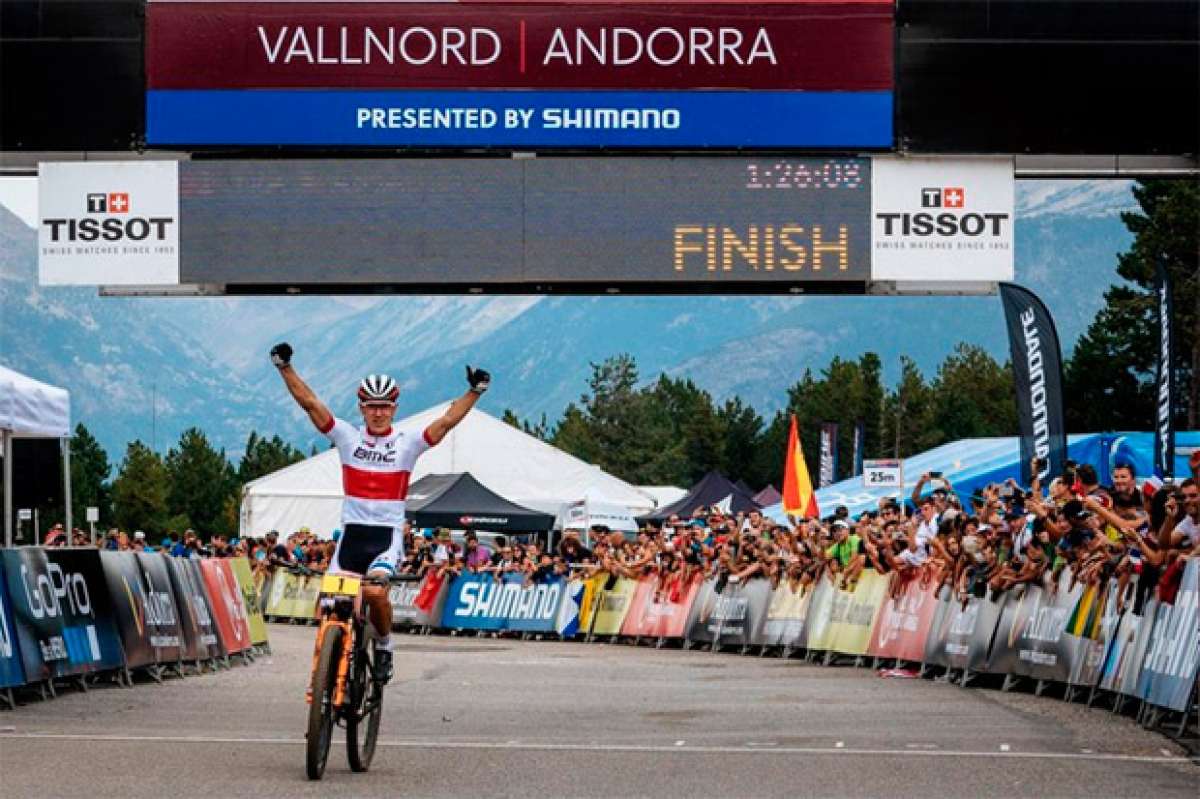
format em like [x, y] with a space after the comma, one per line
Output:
[1110, 375]
[140, 491]
[200, 480]
[89, 477]
[972, 396]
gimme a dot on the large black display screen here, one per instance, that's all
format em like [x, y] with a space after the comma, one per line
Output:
[540, 224]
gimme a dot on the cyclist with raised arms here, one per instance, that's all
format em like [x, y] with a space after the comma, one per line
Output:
[377, 464]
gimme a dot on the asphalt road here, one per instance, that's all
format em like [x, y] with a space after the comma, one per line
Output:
[485, 717]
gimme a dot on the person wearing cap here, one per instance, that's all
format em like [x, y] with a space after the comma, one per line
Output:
[845, 557]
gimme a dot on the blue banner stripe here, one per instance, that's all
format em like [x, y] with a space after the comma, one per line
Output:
[519, 118]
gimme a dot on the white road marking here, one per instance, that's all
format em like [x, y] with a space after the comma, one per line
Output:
[615, 748]
[1004, 747]
[680, 743]
[840, 744]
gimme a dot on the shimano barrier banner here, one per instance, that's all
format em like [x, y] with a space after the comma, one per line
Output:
[1037, 370]
[250, 599]
[518, 74]
[293, 596]
[200, 639]
[37, 614]
[89, 628]
[786, 614]
[1173, 660]
[854, 613]
[406, 612]
[229, 609]
[612, 605]
[12, 671]
[481, 602]
[904, 622]
[661, 610]
[734, 615]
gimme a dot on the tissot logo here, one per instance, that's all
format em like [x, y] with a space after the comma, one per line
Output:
[108, 203]
[115, 224]
[949, 197]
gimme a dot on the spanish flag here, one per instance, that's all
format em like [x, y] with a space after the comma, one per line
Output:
[798, 497]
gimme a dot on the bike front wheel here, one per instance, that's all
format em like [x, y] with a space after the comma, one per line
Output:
[366, 711]
[321, 710]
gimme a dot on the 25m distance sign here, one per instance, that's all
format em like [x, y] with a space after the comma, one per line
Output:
[538, 222]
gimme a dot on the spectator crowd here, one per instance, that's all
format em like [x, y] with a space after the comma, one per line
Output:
[978, 545]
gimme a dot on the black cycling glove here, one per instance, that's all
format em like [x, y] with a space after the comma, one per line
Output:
[281, 355]
[479, 380]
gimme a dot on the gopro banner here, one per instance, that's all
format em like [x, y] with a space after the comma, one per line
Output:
[1164, 378]
[89, 628]
[12, 671]
[39, 602]
[1037, 373]
[510, 74]
[480, 602]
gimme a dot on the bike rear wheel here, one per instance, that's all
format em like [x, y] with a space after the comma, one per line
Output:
[321, 711]
[366, 710]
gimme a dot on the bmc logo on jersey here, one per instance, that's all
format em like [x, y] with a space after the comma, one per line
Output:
[366, 455]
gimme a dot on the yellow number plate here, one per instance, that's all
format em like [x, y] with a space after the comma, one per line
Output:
[340, 584]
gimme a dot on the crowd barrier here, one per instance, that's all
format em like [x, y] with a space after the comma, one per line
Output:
[74, 613]
[1085, 638]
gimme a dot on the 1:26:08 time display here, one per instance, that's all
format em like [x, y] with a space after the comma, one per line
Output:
[806, 174]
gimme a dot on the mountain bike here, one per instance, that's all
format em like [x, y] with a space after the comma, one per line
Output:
[344, 689]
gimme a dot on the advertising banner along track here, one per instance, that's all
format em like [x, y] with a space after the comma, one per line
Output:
[1030, 638]
[732, 616]
[612, 606]
[412, 605]
[12, 671]
[660, 610]
[229, 609]
[904, 622]
[200, 638]
[1173, 659]
[854, 612]
[251, 599]
[480, 602]
[786, 615]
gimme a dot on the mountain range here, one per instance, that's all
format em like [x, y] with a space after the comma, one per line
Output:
[148, 368]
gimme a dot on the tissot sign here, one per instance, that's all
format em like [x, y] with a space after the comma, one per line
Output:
[809, 73]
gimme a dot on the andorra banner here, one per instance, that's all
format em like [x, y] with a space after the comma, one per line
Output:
[815, 73]
[200, 638]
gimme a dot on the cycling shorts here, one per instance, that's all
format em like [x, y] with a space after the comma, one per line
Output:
[367, 547]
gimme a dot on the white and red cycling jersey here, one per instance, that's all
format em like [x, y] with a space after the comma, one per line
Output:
[376, 470]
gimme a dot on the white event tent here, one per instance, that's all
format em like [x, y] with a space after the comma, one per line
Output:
[32, 409]
[510, 462]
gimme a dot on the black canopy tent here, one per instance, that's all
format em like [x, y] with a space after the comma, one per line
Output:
[713, 489]
[460, 501]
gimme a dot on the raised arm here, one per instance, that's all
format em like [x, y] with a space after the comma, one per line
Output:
[281, 356]
[479, 380]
